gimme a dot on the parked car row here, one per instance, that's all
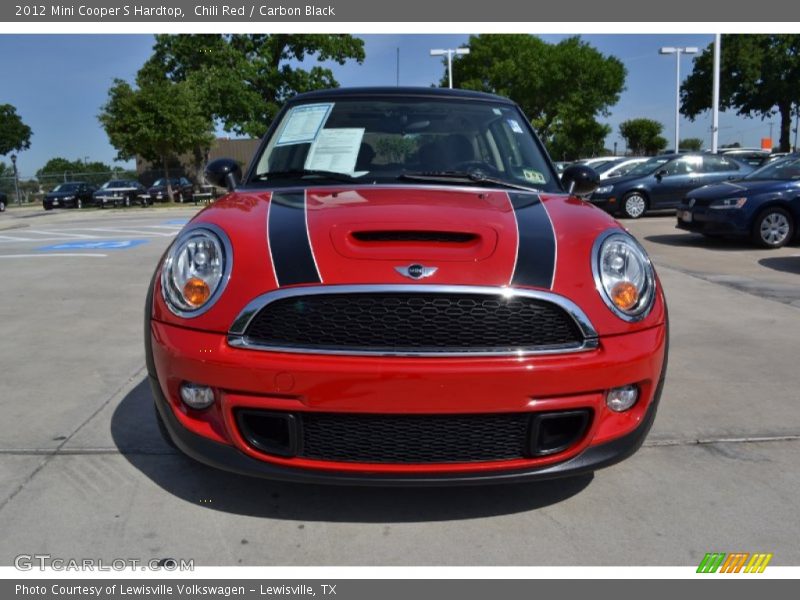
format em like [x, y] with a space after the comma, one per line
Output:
[714, 194]
[116, 192]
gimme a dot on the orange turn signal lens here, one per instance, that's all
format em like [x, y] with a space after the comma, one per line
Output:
[196, 291]
[624, 295]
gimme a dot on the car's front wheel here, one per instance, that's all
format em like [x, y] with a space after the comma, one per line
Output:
[78, 203]
[773, 228]
[2, 205]
[634, 205]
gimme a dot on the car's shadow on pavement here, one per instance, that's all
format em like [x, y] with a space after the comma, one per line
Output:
[785, 264]
[691, 240]
[135, 433]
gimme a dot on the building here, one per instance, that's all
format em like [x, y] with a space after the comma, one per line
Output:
[240, 150]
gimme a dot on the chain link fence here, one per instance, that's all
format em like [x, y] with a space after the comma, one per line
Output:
[32, 189]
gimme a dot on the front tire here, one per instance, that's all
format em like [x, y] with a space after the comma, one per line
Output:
[2, 206]
[773, 228]
[634, 205]
[79, 204]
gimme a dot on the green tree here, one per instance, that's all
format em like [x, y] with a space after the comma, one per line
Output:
[15, 136]
[156, 121]
[759, 75]
[642, 136]
[691, 144]
[244, 80]
[59, 169]
[563, 88]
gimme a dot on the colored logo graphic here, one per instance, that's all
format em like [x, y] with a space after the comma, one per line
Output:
[736, 562]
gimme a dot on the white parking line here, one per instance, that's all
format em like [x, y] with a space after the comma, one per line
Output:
[16, 239]
[60, 232]
[56, 254]
[128, 231]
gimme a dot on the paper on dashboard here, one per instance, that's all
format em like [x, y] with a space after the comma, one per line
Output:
[335, 150]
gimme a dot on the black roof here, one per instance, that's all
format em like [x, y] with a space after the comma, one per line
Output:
[419, 92]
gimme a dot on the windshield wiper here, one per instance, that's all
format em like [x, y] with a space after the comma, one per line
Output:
[302, 173]
[476, 176]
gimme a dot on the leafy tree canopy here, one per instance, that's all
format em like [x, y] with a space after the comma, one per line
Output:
[643, 136]
[156, 121]
[759, 77]
[692, 144]
[243, 80]
[15, 136]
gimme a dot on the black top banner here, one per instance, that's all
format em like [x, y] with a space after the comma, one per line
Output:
[266, 11]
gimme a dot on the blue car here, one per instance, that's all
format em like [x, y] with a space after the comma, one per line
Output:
[763, 206]
[662, 181]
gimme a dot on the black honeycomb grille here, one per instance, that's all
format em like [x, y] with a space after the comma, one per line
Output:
[414, 439]
[406, 322]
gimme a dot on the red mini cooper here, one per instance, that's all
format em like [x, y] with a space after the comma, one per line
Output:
[400, 290]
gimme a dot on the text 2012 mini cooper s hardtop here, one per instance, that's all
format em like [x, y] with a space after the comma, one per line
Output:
[400, 290]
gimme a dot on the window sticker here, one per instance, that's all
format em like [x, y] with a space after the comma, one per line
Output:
[497, 111]
[533, 176]
[514, 126]
[304, 123]
[335, 150]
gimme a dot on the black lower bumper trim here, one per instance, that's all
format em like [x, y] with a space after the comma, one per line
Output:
[230, 459]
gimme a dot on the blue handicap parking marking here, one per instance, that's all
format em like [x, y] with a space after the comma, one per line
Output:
[94, 245]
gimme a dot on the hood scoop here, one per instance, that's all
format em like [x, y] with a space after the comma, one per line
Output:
[413, 241]
[388, 236]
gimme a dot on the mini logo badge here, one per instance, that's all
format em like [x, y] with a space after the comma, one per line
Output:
[416, 271]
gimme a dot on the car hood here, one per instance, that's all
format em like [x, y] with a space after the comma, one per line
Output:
[745, 187]
[379, 235]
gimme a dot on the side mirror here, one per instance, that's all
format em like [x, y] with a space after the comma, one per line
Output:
[661, 174]
[580, 180]
[224, 172]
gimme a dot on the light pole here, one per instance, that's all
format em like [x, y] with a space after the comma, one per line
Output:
[677, 52]
[16, 179]
[449, 52]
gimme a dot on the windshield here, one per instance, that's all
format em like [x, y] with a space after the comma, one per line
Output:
[114, 184]
[163, 182]
[648, 166]
[66, 187]
[394, 139]
[786, 168]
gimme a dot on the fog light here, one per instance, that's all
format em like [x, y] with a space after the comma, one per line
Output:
[622, 398]
[197, 396]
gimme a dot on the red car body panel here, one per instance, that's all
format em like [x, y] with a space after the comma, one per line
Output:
[197, 349]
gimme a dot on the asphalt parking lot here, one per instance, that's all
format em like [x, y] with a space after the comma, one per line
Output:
[84, 473]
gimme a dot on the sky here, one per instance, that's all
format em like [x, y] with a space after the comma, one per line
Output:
[59, 82]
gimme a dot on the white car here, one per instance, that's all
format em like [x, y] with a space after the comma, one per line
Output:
[618, 168]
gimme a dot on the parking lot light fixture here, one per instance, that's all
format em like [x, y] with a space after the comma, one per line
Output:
[13, 158]
[449, 53]
[677, 52]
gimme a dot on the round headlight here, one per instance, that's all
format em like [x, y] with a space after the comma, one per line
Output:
[195, 270]
[623, 275]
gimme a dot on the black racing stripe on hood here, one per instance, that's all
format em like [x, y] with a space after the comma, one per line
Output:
[536, 252]
[289, 244]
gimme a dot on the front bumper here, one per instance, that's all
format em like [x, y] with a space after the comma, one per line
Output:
[608, 204]
[292, 383]
[732, 222]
